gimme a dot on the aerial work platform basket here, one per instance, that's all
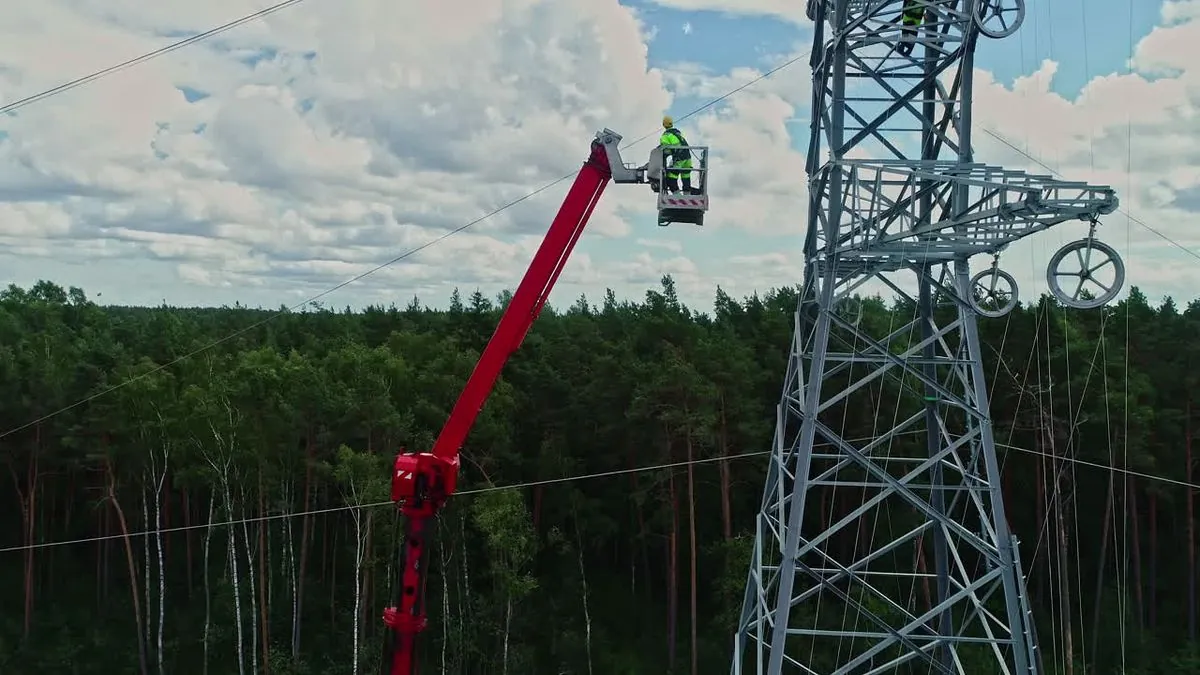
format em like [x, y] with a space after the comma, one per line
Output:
[678, 205]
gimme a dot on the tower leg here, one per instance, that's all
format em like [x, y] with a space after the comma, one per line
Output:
[892, 552]
[848, 595]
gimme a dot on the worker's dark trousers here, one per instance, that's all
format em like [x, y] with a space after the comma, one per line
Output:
[671, 183]
[908, 33]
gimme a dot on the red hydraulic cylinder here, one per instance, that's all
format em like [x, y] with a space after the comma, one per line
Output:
[421, 483]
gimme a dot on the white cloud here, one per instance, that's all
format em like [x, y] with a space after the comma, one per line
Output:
[791, 10]
[757, 179]
[1134, 131]
[328, 138]
[670, 245]
[374, 127]
[332, 137]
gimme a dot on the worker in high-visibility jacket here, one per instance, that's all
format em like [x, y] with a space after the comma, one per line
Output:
[677, 159]
[911, 17]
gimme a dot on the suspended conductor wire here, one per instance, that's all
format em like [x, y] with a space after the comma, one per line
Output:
[547, 481]
[1132, 218]
[377, 268]
[1125, 494]
[374, 505]
[67, 86]
[1067, 498]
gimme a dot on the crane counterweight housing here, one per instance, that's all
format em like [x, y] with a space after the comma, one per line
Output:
[423, 481]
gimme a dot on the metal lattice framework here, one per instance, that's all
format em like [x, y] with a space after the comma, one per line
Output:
[894, 554]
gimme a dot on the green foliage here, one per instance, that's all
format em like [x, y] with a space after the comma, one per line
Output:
[304, 413]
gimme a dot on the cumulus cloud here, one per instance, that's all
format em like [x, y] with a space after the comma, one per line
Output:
[294, 152]
[1134, 131]
[785, 9]
[757, 179]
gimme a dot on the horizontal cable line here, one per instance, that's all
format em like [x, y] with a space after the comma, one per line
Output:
[67, 86]
[552, 481]
[272, 317]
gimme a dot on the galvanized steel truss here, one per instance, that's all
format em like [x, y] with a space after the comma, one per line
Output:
[870, 555]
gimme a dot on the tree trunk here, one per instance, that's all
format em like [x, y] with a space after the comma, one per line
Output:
[212, 502]
[1139, 605]
[446, 615]
[1101, 566]
[360, 538]
[325, 545]
[232, 556]
[187, 535]
[165, 506]
[146, 566]
[368, 587]
[507, 629]
[1152, 573]
[587, 616]
[644, 547]
[1191, 526]
[692, 544]
[162, 573]
[1063, 559]
[672, 572]
[537, 507]
[723, 467]
[133, 583]
[1039, 507]
[101, 547]
[333, 568]
[923, 569]
[467, 606]
[28, 500]
[264, 626]
[643, 539]
[1039, 473]
[251, 579]
[305, 537]
[293, 578]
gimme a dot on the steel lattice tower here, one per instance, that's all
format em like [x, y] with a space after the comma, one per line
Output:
[894, 552]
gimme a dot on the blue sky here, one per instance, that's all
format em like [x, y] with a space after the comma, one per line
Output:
[1086, 40]
[1085, 47]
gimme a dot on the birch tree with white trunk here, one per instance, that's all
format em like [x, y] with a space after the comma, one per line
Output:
[361, 477]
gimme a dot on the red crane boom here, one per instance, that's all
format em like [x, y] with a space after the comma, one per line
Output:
[422, 482]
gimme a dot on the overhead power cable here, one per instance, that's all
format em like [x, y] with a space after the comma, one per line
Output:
[1122, 211]
[67, 86]
[547, 481]
[373, 270]
[374, 505]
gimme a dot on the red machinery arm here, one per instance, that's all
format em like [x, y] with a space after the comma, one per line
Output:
[422, 482]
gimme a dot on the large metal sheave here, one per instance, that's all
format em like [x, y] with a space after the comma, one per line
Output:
[892, 553]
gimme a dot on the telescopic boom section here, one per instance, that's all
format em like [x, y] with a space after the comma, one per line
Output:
[422, 482]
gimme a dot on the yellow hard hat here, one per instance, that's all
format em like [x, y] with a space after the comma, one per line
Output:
[668, 122]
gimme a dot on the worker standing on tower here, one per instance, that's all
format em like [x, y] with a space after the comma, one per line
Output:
[677, 158]
[911, 17]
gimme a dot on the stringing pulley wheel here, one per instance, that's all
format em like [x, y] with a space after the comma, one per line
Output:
[1086, 252]
[998, 18]
[993, 292]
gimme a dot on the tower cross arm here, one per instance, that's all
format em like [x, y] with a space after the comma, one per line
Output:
[880, 197]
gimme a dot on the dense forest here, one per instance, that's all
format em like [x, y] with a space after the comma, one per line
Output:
[205, 490]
